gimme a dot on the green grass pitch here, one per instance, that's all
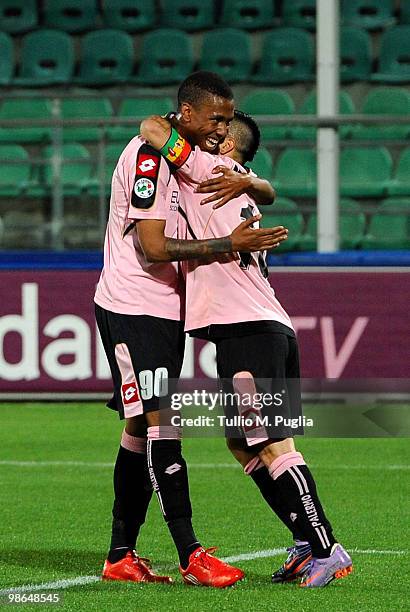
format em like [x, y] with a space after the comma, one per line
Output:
[55, 518]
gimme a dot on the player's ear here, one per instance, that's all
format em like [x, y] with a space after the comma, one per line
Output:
[186, 112]
[227, 146]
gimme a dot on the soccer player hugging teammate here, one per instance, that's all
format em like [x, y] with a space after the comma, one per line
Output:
[229, 301]
[138, 309]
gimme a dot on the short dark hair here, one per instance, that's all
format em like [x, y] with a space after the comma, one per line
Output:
[201, 84]
[247, 135]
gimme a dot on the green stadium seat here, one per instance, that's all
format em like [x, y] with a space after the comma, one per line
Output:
[346, 107]
[138, 107]
[47, 58]
[405, 13]
[352, 222]
[189, 15]
[400, 185]
[284, 212]
[365, 172]
[166, 58]
[112, 154]
[269, 102]
[25, 108]
[227, 52]
[75, 169]
[6, 59]
[84, 108]
[71, 15]
[299, 14]
[385, 101]
[247, 14]
[287, 57]
[14, 170]
[262, 164]
[355, 54]
[368, 14]
[295, 173]
[394, 63]
[106, 57]
[129, 15]
[389, 226]
[18, 16]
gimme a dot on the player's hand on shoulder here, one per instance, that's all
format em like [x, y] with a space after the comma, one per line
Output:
[247, 239]
[225, 187]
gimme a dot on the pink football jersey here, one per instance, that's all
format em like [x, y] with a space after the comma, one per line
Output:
[230, 288]
[142, 188]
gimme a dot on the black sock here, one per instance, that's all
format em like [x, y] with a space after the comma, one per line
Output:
[297, 487]
[272, 496]
[133, 491]
[169, 478]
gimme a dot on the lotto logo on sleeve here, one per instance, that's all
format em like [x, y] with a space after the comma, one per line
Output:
[147, 165]
[130, 393]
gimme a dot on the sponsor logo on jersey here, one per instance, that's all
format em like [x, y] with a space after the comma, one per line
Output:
[147, 165]
[144, 188]
[130, 393]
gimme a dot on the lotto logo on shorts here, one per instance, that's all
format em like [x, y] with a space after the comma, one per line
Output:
[147, 165]
[130, 393]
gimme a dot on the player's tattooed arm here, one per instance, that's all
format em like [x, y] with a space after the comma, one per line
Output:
[230, 184]
[158, 248]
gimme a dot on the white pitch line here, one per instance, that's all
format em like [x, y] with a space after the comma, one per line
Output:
[204, 466]
[258, 554]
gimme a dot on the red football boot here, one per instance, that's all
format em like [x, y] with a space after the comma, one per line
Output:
[132, 568]
[205, 570]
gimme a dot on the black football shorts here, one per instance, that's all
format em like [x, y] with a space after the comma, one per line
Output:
[145, 355]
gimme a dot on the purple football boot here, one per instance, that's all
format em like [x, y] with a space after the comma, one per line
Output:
[320, 572]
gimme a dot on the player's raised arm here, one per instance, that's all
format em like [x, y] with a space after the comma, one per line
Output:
[158, 248]
[231, 184]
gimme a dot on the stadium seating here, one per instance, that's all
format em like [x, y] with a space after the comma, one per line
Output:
[13, 176]
[400, 184]
[167, 57]
[129, 15]
[138, 107]
[385, 101]
[47, 58]
[18, 16]
[308, 107]
[355, 54]
[83, 108]
[71, 15]
[6, 59]
[295, 173]
[365, 172]
[287, 57]
[299, 14]
[228, 52]
[285, 212]
[189, 15]
[17, 232]
[75, 169]
[247, 14]
[389, 227]
[112, 154]
[405, 13]
[106, 58]
[269, 102]
[394, 64]
[262, 164]
[369, 14]
[352, 222]
[25, 108]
